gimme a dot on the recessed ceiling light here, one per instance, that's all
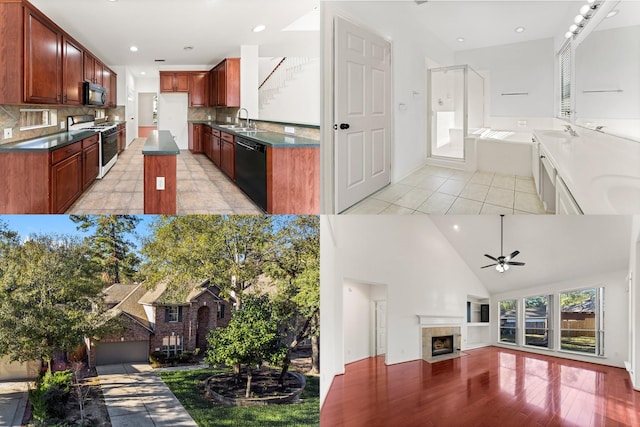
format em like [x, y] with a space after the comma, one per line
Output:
[259, 28]
[113, 1]
[460, 39]
[143, 73]
[456, 227]
[612, 13]
[519, 30]
[133, 48]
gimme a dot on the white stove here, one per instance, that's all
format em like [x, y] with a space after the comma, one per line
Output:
[108, 139]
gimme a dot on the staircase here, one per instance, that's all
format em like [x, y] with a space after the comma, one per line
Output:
[284, 72]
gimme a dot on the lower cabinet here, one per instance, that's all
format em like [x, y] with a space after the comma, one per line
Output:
[228, 155]
[66, 179]
[90, 161]
[207, 142]
[196, 138]
[122, 137]
[215, 147]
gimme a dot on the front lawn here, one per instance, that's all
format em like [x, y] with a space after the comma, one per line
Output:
[188, 386]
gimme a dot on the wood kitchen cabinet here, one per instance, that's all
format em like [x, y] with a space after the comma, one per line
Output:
[293, 180]
[215, 147]
[66, 176]
[207, 142]
[42, 59]
[174, 81]
[121, 135]
[227, 83]
[228, 155]
[199, 89]
[90, 161]
[39, 62]
[113, 96]
[110, 83]
[72, 72]
[195, 138]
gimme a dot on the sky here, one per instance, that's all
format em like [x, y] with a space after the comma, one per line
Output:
[26, 225]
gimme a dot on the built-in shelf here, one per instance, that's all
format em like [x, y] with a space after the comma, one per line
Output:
[483, 324]
[477, 332]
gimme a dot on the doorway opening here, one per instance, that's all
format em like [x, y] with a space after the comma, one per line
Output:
[455, 109]
[147, 113]
[364, 320]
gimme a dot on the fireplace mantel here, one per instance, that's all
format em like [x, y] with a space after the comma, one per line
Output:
[429, 320]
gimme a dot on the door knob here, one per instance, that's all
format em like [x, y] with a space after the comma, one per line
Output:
[344, 126]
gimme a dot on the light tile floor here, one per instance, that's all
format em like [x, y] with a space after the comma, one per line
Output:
[438, 190]
[202, 188]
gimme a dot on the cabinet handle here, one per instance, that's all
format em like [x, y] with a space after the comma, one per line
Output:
[69, 150]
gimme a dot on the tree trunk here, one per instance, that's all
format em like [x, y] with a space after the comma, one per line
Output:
[315, 354]
[249, 376]
[236, 371]
[287, 359]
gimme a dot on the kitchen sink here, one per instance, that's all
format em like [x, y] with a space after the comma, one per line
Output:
[247, 130]
[230, 126]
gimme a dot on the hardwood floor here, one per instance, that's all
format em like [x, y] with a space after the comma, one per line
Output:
[490, 387]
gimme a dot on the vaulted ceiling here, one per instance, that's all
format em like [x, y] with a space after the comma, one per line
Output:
[554, 248]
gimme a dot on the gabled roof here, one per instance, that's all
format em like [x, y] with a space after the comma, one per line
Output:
[130, 307]
[115, 293]
[162, 294]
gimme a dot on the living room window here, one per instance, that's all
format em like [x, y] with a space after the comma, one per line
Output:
[508, 320]
[173, 314]
[581, 321]
[172, 345]
[536, 321]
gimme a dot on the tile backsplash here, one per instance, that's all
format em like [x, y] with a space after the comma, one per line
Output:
[10, 118]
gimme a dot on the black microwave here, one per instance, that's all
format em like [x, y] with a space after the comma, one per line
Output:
[94, 94]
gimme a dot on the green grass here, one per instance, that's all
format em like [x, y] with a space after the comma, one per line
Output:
[584, 344]
[186, 386]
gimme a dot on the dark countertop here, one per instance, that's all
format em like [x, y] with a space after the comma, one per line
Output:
[160, 143]
[272, 139]
[47, 143]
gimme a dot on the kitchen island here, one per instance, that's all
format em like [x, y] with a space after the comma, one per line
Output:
[160, 151]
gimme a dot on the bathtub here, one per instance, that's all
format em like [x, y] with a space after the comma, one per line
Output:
[503, 151]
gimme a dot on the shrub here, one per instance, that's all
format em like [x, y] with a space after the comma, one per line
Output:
[186, 357]
[62, 380]
[158, 358]
[49, 397]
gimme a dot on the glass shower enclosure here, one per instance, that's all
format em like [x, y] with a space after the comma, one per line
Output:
[455, 110]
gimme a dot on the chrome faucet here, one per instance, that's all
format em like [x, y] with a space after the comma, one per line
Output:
[568, 128]
[240, 118]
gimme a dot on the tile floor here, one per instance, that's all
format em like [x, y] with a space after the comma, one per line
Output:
[202, 188]
[438, 190]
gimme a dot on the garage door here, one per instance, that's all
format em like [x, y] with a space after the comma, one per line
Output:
[13, 371]
[122, 352]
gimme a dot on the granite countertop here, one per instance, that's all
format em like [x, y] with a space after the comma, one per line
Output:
[160, 143]
[47, 143]
[273, 139]
[601, 171]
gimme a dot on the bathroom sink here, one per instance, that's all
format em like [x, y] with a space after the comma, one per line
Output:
[622, 192]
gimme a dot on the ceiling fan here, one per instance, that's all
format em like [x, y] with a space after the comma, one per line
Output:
[502, 263]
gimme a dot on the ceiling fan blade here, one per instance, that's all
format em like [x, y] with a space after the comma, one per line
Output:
[515, 263]
[490, 265]
[513, 255]
[490, 257]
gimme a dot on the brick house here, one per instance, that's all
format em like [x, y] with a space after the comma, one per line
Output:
[159, 319]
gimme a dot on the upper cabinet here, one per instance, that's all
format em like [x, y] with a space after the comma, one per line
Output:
[42, 59]
[171, 81]
[226, 83]
[72, 71]
[199, 89]
[40, 63]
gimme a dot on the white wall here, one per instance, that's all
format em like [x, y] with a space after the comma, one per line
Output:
[423, 273]
[616, 326]
[520, 67]
[172, 116]
[249, 79]
[299, 100]
[357, 311]
[634, 304]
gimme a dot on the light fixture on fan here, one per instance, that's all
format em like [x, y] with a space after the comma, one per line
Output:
[502, 262]
[586, 12]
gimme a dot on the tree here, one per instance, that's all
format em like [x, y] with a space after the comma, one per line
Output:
[296, 267]
[48, 286]
[250, 338]
[109, 244]
[230, 251]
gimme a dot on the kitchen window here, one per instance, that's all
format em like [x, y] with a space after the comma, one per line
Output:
[508, 320]
[37, 118]
[173, 314]
[581, 321]
[536, 321]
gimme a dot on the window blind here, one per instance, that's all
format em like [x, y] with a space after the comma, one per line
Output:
[565, 81]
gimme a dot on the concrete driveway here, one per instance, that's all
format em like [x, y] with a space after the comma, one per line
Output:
[136, 396]
[13, 400]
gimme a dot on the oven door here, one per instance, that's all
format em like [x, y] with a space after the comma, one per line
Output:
[109, 147]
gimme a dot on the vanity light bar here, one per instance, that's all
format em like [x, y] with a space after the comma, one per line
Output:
[586, 12]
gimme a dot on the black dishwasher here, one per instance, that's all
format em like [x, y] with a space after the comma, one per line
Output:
[251, 170]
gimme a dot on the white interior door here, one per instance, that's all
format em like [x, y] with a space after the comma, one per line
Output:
[381, 327]
[362, 113]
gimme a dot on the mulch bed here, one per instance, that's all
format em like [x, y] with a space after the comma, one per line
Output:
[263, 384]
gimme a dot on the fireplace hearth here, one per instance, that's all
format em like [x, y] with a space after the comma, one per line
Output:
[441, 345]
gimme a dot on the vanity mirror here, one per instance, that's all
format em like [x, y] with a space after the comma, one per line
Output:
[607, 70]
